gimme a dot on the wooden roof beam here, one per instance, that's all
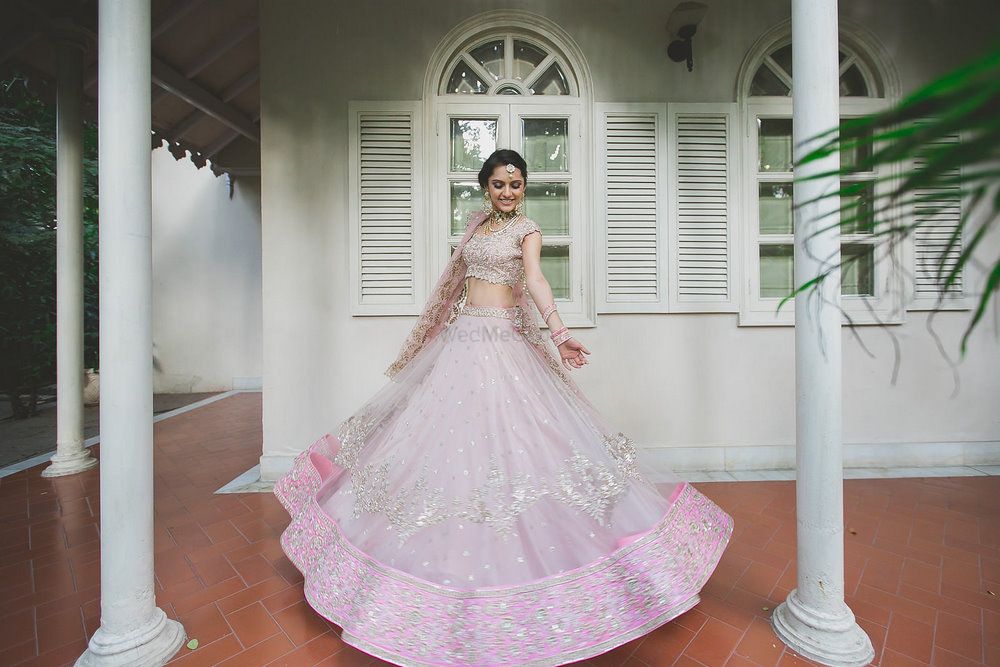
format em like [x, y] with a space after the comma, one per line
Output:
[223, 46]
[241, 84]
[177, 11]
[192, 119]
[229, 137]
[174, 82]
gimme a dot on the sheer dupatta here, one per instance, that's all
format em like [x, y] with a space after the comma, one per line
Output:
[445, 303]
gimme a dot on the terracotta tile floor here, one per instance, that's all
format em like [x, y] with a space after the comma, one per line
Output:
[923, 565]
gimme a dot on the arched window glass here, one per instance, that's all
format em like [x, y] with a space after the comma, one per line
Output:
[774, 76]
[506, 64]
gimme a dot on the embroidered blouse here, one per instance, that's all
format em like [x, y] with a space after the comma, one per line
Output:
[496, 257]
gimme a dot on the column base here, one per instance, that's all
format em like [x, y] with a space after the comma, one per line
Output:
[833, 639]
[153, 644]
[60, 465]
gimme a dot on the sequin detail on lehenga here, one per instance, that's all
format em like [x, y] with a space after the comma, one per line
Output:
[581, 483]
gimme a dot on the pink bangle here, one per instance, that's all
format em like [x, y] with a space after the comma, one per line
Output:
[549, 309]
[562, 338]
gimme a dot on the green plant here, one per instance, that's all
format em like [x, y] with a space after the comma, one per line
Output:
[965, 103]
[27, 242]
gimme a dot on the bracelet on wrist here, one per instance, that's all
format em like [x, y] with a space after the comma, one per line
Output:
[562, 338]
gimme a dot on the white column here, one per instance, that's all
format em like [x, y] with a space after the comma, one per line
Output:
[134, 631]
[815, 621]
[71, 456]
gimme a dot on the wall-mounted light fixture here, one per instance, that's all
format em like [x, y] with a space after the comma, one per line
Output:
[682, 25]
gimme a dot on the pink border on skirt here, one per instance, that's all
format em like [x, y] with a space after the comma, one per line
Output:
[650, 579]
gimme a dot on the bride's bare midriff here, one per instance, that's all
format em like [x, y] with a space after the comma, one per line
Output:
[484, 293]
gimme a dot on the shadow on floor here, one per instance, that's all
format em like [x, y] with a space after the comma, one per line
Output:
[21, 439]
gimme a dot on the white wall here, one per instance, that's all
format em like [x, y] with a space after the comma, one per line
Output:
[206, 279]
[721, 396]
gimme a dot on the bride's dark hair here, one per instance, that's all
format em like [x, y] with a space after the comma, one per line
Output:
[501, 157]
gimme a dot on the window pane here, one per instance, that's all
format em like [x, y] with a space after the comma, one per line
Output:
[553, 82]
[783, 57]
[775, 144]
[857, 211]
[472, 141]
[852, 84]
[466, 197]
[856, 274]
[464, 81]
[776, 208]
[555, 266]
[490, 56]
[766, 83]
[548, 205]
[526, 59]
[776, 271]
[545, 144]
[854, 155]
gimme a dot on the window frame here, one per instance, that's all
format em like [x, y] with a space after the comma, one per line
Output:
[578, 310]
[886, 306]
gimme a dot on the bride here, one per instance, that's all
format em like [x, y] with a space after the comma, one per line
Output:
[477, 509]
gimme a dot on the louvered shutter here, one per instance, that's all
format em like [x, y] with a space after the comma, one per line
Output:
[384, 147]
[631, 152]
[938, 212]
[701, 185]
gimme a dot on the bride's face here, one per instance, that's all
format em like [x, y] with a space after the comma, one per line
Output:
[506, 189]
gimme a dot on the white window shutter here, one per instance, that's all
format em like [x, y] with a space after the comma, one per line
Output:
[701, 143]
[384, 148]
[631, 151]
[939, 213]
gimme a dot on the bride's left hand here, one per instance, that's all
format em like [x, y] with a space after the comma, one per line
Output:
[572, 352]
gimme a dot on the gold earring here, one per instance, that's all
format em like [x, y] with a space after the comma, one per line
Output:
[487, 202]
[519, 209]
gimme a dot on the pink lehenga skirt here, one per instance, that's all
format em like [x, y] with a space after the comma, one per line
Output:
[475, 512]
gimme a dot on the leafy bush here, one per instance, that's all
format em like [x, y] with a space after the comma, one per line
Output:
[28, 242]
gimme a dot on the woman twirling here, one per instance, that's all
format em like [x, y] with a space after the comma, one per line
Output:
[477, 510]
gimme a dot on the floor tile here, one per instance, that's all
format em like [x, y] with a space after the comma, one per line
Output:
[252, 624]
[921, 554]
[909, 637]
[714, 643]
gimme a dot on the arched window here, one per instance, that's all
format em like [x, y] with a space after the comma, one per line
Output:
[506, 64]
[515, 80]
[774, 75]
[765, 89]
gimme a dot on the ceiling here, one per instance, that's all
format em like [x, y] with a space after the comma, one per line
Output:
[205, 71]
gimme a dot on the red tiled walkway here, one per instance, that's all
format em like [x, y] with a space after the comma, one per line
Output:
[923, 566]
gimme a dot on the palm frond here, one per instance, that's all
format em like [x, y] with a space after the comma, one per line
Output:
[946, 136]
